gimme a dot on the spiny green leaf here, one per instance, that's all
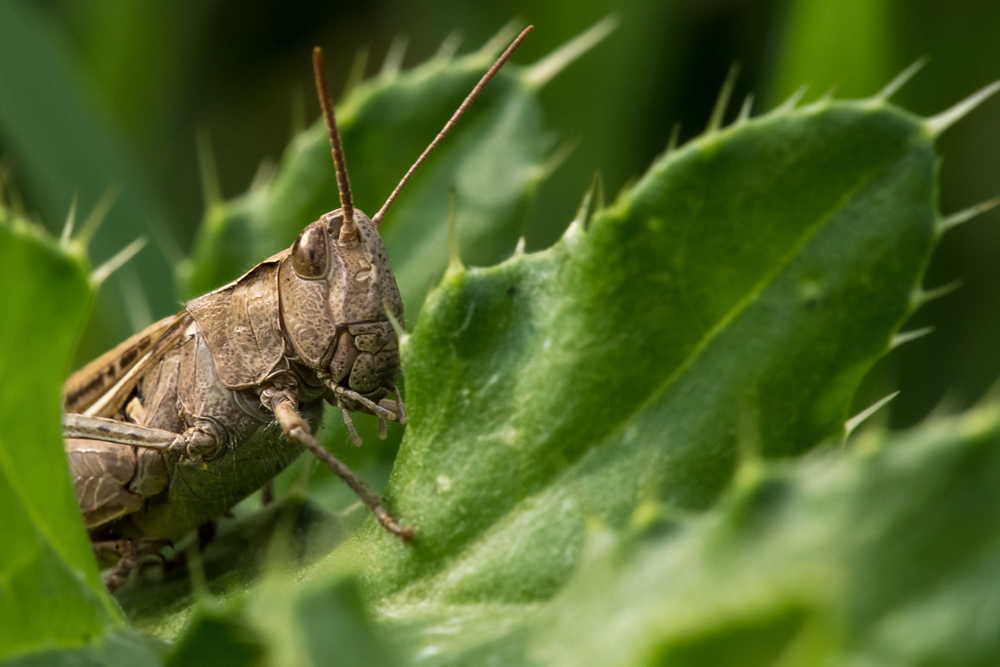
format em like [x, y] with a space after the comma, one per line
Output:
[762, 268]
[50, 593]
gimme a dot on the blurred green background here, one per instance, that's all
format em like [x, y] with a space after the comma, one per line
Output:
[114, 92]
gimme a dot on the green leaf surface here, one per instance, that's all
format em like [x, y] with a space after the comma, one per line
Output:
[50, 594]
[759, 270]
[885, 553]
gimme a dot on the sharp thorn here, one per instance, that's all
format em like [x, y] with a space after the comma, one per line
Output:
[900, 80]
[583, 211]
[547, 68]
[675, 136]
[909, 336]
[857, 419]
[793, 100]
[921, 297]
[744, 114]
[955, 219]
[449, 47]
[96, 217]
[67, 231]
[558, 156]
[357, 72]
[101, 273]
[827, 96]
[394, 57]
[935, 125]
[722, 102]
[519, 248]
[264, 176]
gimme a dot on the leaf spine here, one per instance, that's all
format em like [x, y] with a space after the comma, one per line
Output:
[722, 101]
[908, 336]
[900, 80]
[854, 422]
[935, 125]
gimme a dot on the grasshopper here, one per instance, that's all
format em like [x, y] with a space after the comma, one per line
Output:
[174, 426]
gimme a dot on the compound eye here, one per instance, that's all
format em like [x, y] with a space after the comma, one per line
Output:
[309, 254]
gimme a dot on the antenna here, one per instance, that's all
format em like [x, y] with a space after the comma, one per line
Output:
[348, 230]
[377, 219]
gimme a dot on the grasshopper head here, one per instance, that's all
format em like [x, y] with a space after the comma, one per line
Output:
[335, 296]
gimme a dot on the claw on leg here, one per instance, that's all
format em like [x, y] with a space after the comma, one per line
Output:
[349, 423]
[296, 427]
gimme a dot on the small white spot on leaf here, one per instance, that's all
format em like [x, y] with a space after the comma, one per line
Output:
[443, 483]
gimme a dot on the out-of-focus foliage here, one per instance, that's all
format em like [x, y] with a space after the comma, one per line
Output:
[50, 593]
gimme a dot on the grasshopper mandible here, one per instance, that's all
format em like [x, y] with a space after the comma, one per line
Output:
[177, 424]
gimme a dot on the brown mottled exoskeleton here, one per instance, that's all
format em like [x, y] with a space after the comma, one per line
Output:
[180, 422]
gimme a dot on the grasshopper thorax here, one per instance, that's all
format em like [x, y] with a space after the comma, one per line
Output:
[335, 296]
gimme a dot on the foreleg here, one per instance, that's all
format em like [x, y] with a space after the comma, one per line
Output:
[198, 442]
[296, 427]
